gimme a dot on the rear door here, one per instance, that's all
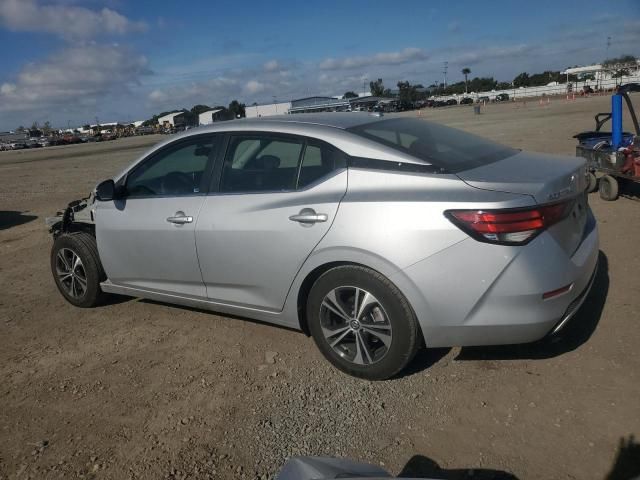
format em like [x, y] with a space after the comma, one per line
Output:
[277, 197]
[147, 239]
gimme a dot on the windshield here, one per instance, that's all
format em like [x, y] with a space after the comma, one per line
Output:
[445, 147]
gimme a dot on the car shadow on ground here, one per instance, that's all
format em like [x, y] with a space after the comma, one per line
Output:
[9, 219]
[577, 331]
[424, 359]
[626, 465]
[420, 466]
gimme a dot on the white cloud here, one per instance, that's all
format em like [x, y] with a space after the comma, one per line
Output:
[473, 56]
[215, 91]
[72, 79]
[253, 86]
[383, 58]
[68, 21]
[272, 66]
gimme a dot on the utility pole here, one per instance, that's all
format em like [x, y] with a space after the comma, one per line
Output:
[446, 67]
[606, 55]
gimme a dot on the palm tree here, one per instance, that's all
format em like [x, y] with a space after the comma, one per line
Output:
[466, 71]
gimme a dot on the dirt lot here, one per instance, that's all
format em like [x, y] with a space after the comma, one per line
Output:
[138, 389]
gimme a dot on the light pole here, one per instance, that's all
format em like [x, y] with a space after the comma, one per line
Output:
[446, 66]
[275, 102]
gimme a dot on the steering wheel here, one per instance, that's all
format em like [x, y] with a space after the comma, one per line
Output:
[176, 182]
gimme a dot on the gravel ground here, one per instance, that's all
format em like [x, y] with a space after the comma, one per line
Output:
[143, 390]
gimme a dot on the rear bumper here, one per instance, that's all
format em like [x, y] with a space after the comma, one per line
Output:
[480, 294]
[575, 305]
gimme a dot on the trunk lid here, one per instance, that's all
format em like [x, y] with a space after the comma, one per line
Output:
[548, 179]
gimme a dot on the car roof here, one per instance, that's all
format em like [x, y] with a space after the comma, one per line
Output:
[341, 120]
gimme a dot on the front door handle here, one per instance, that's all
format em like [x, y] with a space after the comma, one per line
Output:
[180, 218]
[308, 216]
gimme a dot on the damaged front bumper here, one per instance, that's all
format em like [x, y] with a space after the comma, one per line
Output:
[79, 213]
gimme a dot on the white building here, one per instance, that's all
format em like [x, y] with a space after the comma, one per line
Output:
[172, 119]
[210, 116]
[253, 111]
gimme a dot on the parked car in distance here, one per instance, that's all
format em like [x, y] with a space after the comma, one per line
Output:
[502, 97]
[466, 101]
[484, 99]
[372, 234]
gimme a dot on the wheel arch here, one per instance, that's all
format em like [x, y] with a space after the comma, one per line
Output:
[312, 273]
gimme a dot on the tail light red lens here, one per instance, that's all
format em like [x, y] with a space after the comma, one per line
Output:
[513, 226]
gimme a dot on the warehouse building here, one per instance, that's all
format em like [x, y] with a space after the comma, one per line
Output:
[319, 104]
[210, 116]
[174, 119]
[266, 110]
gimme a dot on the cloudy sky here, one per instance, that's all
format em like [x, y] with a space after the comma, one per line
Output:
[72, 61]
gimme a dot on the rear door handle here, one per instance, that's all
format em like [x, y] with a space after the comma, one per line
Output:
[308, 216]
[180, 219]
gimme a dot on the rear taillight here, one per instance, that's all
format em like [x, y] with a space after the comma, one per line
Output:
[513, 226]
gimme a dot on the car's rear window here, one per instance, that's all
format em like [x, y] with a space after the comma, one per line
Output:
[444, 147]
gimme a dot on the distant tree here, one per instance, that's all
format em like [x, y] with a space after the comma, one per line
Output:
[35, 125]
[407, 93]
[620, 73]
[544, 78]
[46, 128]
[377, 88]
[20, 128]
[350, 94]
[503, 85]
[522, 80]
[616, 61]
[237, 109]
[198, 109]
[466, 71]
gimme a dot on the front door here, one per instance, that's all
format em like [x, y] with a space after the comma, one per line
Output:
[147, 239]
[277, 198]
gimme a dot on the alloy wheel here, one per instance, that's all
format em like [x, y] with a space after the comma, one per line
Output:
[71, 273]
[355, 325]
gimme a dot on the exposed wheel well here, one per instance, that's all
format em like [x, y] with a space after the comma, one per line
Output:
[72, 227]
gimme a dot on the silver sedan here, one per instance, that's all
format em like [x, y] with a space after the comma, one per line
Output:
[372, 234]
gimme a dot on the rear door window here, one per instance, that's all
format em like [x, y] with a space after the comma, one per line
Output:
[261, 164]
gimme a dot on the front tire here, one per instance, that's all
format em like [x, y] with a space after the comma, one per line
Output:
[77, 270]
[362, 323]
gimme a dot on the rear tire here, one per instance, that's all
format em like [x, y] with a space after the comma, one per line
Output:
[77, 269]
[362, 323]
[593, 182]
[608, 188]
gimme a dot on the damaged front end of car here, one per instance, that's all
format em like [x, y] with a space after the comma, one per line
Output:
[78, 216]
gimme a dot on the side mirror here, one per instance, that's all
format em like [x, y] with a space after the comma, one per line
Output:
[106, 191]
